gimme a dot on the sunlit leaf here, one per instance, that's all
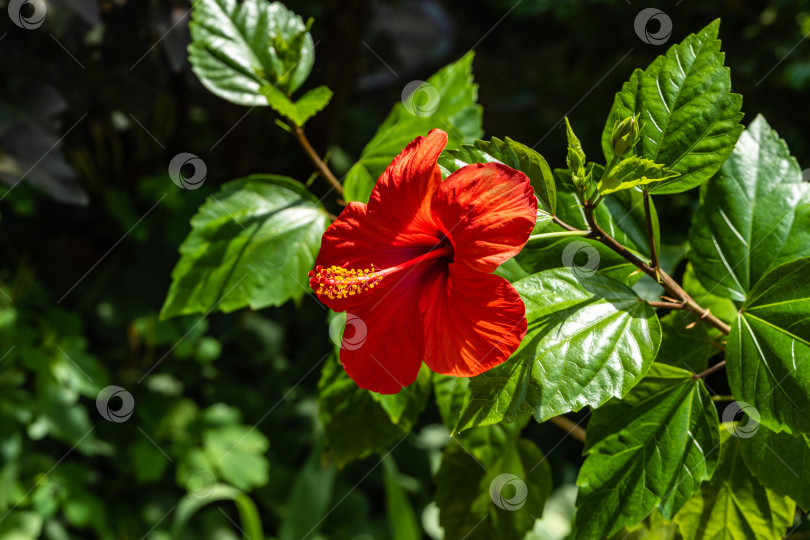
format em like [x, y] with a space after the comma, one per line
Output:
[238, 47]
[689, 117]
[745, 219]
[631, 172]
[589, 338]
[251, 244]
[733, 505]
[649, 450]
[769, 346]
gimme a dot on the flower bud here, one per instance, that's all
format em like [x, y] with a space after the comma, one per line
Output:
[576, 157]
[625, 135]
[575, 160]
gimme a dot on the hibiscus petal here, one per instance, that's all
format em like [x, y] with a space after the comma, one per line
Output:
[386, 350]
[487, 211]
[400, 200]
[472, 322]
[354, 241]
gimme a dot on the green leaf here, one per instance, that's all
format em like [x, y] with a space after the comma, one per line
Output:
[251, 244]
[239, 47]
[148, 461]
[654, 527]
[621, 216]
[689, 116]
[83, 509]
[312, 103]
[309, 498]
[733, 505]
[398, 405]
[453, 94]
[280, 103]
[651, 449]
[491, 484]
[746, 214]
[398, 508]
[769, 345]
[195, 470]
[798, 239]
[589, 338]
[511, 270]
[634, 171]
[359, 182]
[21, 525]
[237, 453]
[300, 111]
[450, 392]
[65, 418]
[686, 342]
[780, 462]
[355, 423]
[511, 153]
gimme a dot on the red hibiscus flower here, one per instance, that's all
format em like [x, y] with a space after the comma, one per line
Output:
[413, 269]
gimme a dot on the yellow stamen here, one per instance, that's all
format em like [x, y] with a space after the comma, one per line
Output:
[338, 282]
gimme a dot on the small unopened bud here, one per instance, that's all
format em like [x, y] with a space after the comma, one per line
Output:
[580, 179]
[625, 135]
[575, 160]
[576, 157]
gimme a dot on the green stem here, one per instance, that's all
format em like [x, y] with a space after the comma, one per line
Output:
[665, 280]
[558, 234]
[722, 398]
[249, 518]
[717, 367]
[650, 235]
[667, 305]
[320, 166]
[613, 162]
[565, 225]
[569, 427]
[250, 524]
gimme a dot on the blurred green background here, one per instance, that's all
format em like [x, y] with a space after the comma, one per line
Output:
[93, 106]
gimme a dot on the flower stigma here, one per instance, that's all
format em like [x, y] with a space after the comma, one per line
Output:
[339, 282]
